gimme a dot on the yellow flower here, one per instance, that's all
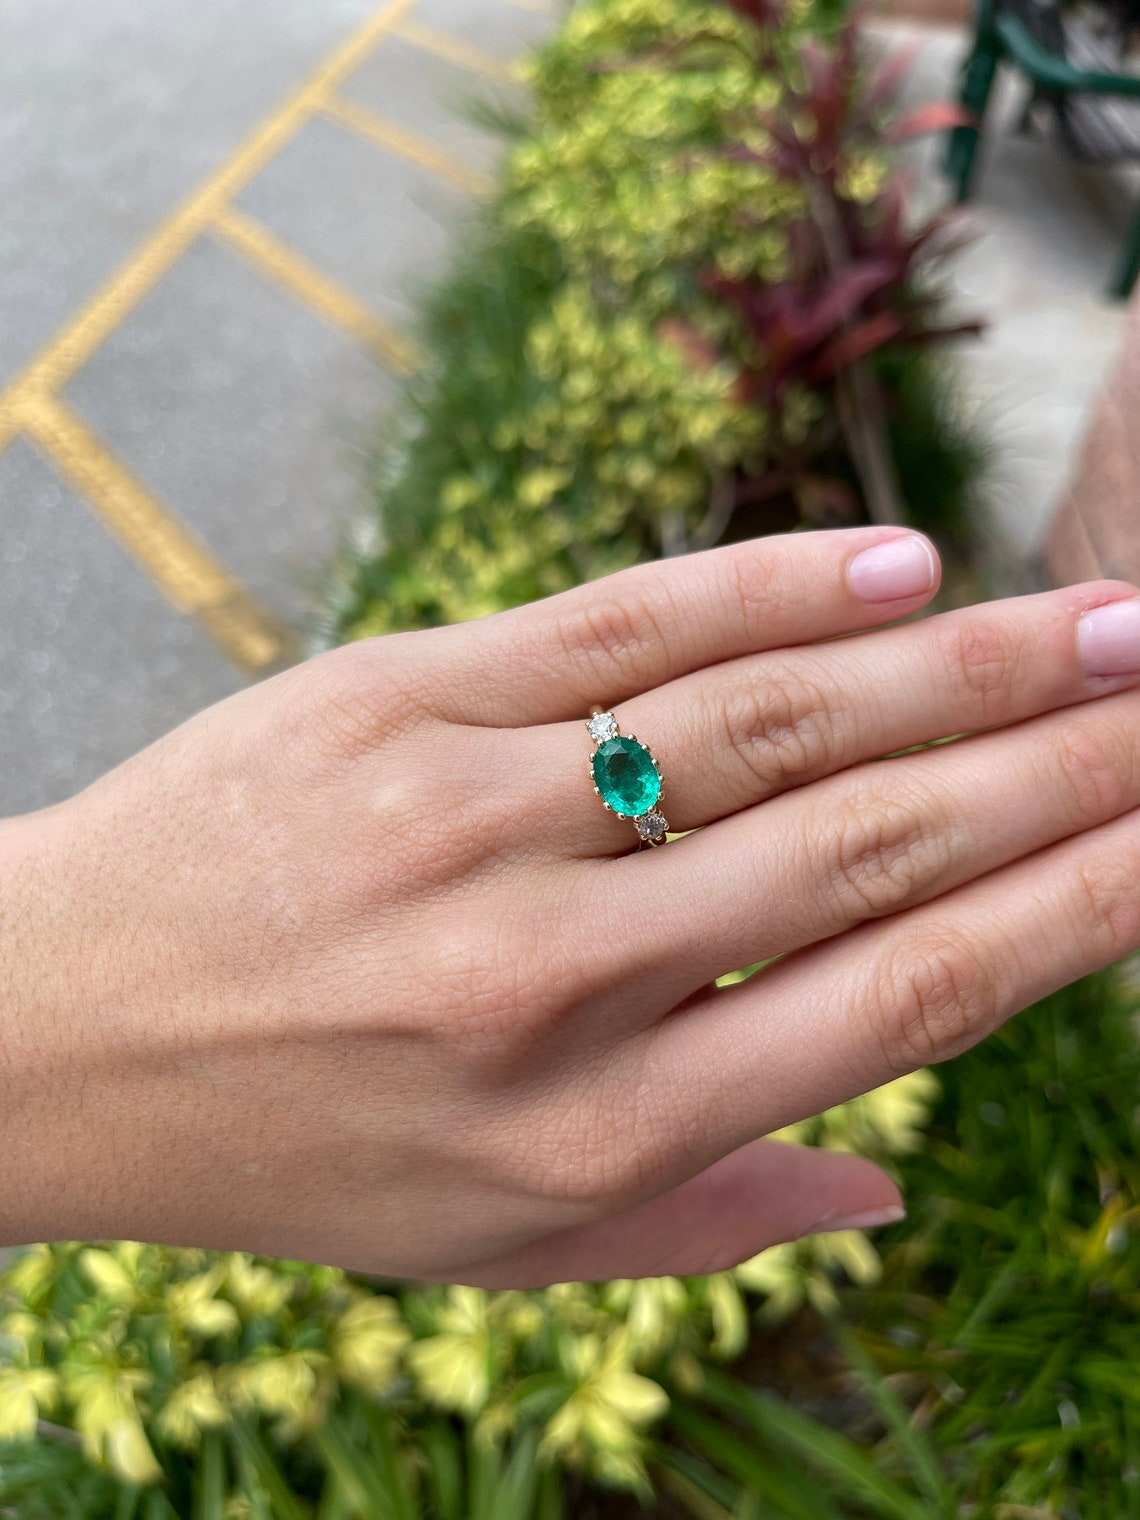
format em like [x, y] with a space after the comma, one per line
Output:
[729, 1315]
[778, 1275]
[652, 1308]
[850, 1250]
[191, 1304]
[460, 491]
[108, 1421]
[604, 1413]
[112, 1273]
[194, 1406]
[32, 1270]
[538, 486]
[258, 1290]
[286, 1385]
[453, 1367]
[368, 1342]
[24, 1391]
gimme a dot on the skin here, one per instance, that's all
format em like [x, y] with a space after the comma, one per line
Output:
[354, 967]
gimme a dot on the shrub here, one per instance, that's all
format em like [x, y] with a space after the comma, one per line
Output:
[692, 311]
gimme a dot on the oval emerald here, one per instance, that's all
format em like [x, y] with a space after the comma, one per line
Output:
[626, 777]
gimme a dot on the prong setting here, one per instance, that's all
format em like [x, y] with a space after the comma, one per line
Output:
[628, 770]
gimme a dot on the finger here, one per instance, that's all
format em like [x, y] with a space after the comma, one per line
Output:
[877, 840]
[736, 734]
[627, 633]
[847, 1016]
[765, 1193]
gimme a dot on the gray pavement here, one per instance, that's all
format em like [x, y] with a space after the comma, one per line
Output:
[242, 395]
[1045, 233]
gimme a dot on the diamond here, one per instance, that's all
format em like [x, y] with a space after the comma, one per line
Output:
[626, 776]
[652, 827]
[602, 726]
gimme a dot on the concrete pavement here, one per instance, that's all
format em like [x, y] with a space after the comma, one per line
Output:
[216, 219]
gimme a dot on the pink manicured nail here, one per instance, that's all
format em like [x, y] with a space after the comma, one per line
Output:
[899, 568]
[869, 1219]
[1108, 639]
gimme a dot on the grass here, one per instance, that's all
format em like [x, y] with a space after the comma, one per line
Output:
[992, 1371]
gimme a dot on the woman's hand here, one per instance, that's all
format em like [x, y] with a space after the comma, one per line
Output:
[355, 966]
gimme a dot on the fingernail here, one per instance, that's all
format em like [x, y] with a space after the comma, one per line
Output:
[1108, 639]
[899, 568]
[869, 1219]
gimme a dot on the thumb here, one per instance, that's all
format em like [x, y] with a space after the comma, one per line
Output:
[765, 1193]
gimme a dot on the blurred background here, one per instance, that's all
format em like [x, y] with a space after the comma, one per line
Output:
[323, 320]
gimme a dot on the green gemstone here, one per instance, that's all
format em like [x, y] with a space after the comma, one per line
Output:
[626, 776]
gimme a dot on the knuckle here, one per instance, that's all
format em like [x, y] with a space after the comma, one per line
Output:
[586, 1149]
[620, 639]
[935, 997]
[780, 731]
[751, 593]
[367, 695]
[1097, 766]
[1108, 905]
[984, 661]
[503, 982]
[883, 852]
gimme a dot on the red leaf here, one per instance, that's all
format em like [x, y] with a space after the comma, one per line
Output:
[944, 334]
[885, 85]
[855, 344]
[847, 293]
[762, 13]
[936, 116]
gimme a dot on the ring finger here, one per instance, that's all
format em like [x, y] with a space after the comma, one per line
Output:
[744, 731]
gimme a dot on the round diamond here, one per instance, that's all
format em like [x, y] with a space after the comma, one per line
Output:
[652, 827]
[602, 726]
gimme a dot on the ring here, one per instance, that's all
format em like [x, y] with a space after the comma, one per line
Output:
[626, 777]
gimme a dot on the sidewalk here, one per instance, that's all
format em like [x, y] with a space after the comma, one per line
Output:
[1045, 236]
[216, 224]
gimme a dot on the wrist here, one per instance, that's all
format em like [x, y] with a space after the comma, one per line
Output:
[52, 1101]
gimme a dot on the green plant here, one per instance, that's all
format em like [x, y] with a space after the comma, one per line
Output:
[155, 1377]
[990, 1371]
[646, 348]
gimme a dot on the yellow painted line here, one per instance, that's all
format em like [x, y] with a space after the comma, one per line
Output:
[183, 569]
[315, 289]
[386, 134]
[76, 342]
[453, 50]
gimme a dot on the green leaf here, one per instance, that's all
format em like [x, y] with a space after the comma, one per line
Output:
[444, 1470]
[127, 1501]
[822, 1448]
[267, 1488]
[919, 1453]
[210, 1478]
[550, 1505]
[762, 1471]
[515, 1498]
[388, 1464]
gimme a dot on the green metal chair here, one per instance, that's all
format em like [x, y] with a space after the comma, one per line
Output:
[1076, 74]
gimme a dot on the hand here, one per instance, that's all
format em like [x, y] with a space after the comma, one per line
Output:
[355, 967]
